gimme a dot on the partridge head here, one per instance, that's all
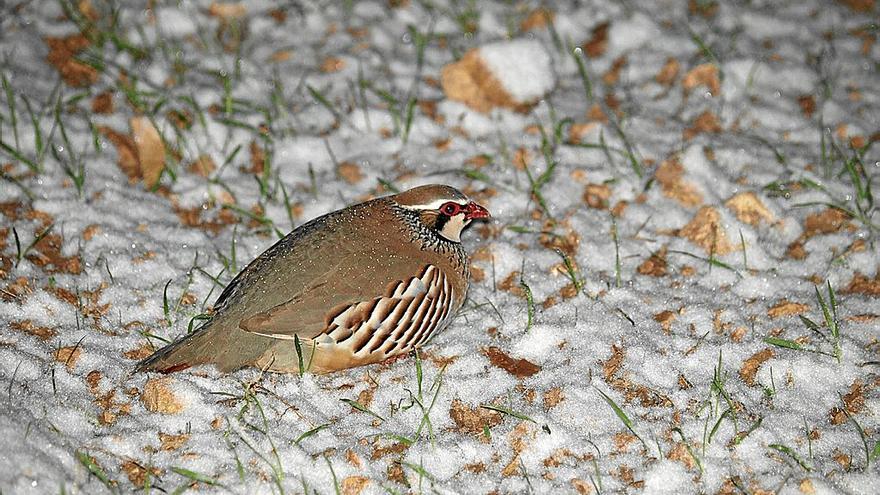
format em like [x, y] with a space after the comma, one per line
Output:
[353, 287]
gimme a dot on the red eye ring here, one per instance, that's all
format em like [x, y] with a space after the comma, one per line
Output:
[450, 208]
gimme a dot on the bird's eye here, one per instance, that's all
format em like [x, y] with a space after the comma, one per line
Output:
[450, 209]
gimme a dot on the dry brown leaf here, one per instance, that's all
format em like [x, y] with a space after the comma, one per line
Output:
[470, 82]
[62, 53]
[203, 165]
[581, 486]
[702, 75]
[670, 175]
[332, 64]
[354, 485]
[611, 76]
[655, 265]
[68, 356]
[47, 255]
[597, 196]
[680, 453]
[103, 103]
[150, 150]
[519, 368]
[172, 442]
[598, 43]
[861, 284]
[807, 104]
[669, 72]
[553, 397]
[472, 419]
[705, 231]
[137, 474]
[537, 19]
[91, 231]
[827, 221]
[258, 158]
[787, 308]
[159, 397]
[705, 123]
[751, 365]
[350, 172]
[853, 401]
[665, 319]
[227, 11]
[749, 208]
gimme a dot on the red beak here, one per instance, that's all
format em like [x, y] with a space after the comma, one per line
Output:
[474, 211]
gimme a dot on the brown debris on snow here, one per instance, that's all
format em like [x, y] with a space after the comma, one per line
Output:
[680, 454]
[520, 368]
[68, 356]
[553, 397]
[350, 172]
[27, 326]
[202, 166]
[137, 474]
[655, 265]
[705, 231]
[158, 396]
[807, 104]
[665, 319]
[787, 308]
[861, 284]
[539, 18]
[62, 56]
[705, 123]
[172, 442]
[853, 401]
[142, 155]
[597, 196]
[471, 420]
[598, 43]
[750, 366]
[354, 485]
[828, 221]
[47, 255]
[861, 6]
[669, 174]
[470, 81]
[669, 72]
[702, 75]
[631, 391]
[749, 208]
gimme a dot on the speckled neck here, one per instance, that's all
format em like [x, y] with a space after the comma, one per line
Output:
[430, 240]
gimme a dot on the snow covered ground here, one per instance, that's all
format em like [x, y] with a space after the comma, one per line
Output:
[646, 310]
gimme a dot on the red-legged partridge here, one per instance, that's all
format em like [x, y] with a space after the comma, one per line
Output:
[354, 287]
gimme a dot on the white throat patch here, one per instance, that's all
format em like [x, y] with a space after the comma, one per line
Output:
[452, 228]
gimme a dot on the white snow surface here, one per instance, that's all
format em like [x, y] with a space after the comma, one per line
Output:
[631, 383]
[523, 67]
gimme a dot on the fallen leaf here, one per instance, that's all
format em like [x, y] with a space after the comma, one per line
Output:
[598, 43]
[519, 368]
[705, 231]
[787, 308]
[751, 365]
[68, 356]
[159, 397]
[471, 420]
[702, 75]
[749, 208]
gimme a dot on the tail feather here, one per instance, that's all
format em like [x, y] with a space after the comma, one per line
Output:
[228, 349]
[179, 355]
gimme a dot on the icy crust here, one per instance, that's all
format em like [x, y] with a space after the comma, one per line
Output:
[601, 346]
